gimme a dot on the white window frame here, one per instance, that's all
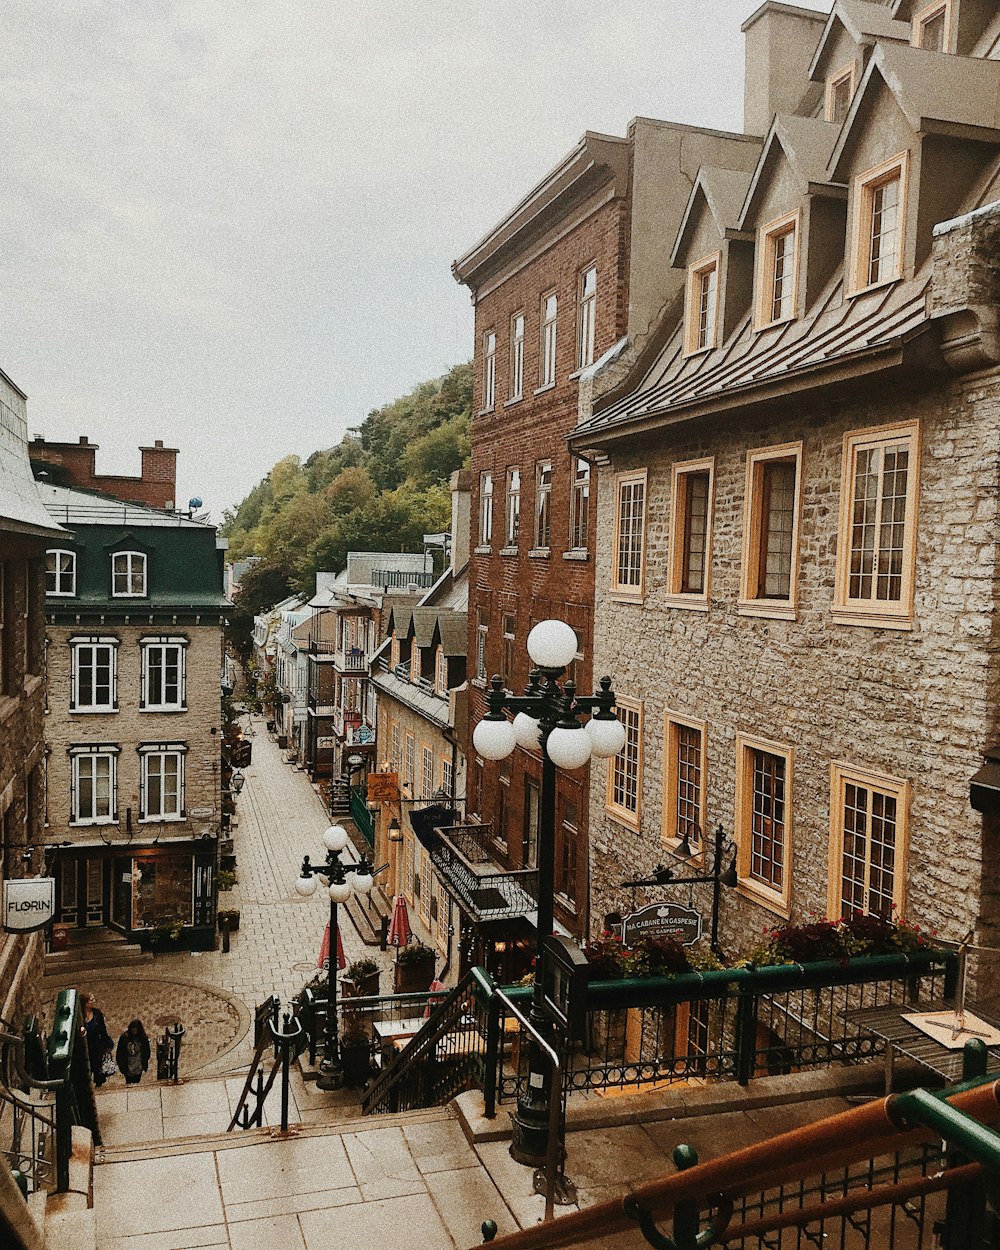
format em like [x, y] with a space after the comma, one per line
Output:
[485, 509]
[842, 775]
[135, 561]
[543, 505]
[549, 316]
[92, 645]
[862, 206]
[160, 751]
[579, 506]
[59, 573]
[482, 629]
[512, 509]
[698, 338]
[516, 357]
[489, 370]
[440, 671]
[586, 332]
[633, 586]
[885, 613]
[162, 645]
[426, 772]
[90, 756]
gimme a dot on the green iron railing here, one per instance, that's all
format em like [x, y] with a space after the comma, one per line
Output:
[362, 814]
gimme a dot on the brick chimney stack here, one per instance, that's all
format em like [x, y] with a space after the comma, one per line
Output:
[73, 464]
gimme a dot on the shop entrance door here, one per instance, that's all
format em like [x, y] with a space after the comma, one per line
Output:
[93, 902]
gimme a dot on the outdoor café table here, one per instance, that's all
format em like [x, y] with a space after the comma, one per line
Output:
[902, 1037]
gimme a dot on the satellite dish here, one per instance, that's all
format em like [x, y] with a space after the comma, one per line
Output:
[194, 502]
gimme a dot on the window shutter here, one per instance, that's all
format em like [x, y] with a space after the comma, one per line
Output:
[182, 664]
[143, 675]
[181, 787]
[143, 764]
[114, 676]
[74, 677]
[114, 777]
[74, 776]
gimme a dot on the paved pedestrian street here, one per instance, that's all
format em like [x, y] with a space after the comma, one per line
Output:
[212, 994]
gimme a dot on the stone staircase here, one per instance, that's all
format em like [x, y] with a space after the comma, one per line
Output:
[91, 950]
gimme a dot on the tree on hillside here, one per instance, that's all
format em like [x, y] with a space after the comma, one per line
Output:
[261, 586]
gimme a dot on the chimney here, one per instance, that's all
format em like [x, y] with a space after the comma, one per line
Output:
[461, 517]
[780, 42]
[159, 474]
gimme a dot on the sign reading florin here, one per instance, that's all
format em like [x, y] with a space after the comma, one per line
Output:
[663, 920]
[28, 904]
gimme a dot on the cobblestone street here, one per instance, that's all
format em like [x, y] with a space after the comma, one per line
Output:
[280, 819]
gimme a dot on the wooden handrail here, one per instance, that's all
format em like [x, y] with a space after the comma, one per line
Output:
[835, 1142]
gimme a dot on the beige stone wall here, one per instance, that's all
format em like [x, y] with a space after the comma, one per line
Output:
[199, 727]
[915, 704]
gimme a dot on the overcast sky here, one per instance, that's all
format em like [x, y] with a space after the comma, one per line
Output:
[231, 225]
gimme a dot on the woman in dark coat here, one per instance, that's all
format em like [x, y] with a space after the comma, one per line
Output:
[99, 1040]
[132, 1054]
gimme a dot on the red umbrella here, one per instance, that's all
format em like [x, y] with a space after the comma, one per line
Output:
[399, 930]
[434, 986]
[324, 951]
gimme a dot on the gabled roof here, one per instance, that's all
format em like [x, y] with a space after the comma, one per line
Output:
[936, 92]
[423, 622]
[864, 22]
[452, 632]
[398, 620]
[723, 191]
[806, 143]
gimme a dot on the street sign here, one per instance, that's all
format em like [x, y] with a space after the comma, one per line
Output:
[28, 903]
[663, 920]
[364, 734]
[383, 787]
[200, 813]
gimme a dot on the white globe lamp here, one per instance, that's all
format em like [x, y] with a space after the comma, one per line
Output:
[363, 879]
[306, 886]
[526, 731]
[607, 735]
[340, 891]
[494, 739]
[569, 748]
[552, 644]
[335, 838]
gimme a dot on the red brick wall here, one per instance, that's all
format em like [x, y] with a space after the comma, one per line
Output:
[73, 464]
[533, 588]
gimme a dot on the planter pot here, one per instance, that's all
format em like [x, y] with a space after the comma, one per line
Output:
[413, 978]
[367, 987]
[356, 1058]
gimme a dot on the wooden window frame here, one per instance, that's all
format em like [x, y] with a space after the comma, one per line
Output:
[927, 14]
[627, 590]
[440, 671]
[622, 814]
[777, 901]
[579, 506]
[446, 767]
[692, 304]
[482, 638]
[516, 378]
[677, 547]
[426, 773]
[409, 761]
[842, 774]
[847, 73]
[512, 514]
[489, 370]
[749, 604]
[586, 318]
[767, 235]
[670, 837]
[543, 506]
[896, 614]
[864, 187]
[485, 509]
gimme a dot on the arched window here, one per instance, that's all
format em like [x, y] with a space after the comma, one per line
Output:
[128, 574]
[60, 572]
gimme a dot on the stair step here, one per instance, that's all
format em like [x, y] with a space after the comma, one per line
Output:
[57, 963]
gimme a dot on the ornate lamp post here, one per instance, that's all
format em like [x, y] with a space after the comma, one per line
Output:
[546, 716]
[333, 875]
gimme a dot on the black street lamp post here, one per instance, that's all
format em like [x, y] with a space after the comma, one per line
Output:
[546, 716]
[333, 873]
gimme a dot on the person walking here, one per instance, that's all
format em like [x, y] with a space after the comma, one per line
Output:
[133, 1053]
[99, 1041]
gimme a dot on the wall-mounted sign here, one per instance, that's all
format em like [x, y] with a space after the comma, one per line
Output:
[200, 813]
[364, 734]
[383, 787]
[28, 904]
[663, 920]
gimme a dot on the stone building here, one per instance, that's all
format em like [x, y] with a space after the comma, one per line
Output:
[26, 529]
[797, 533]
[573, 277]
[135, 610]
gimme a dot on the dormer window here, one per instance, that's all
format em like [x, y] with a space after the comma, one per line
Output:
[879, 214]
[702, 304]
[414, 662]
[932, 27]
[128, 574]
[441, 671]
[778, 247]
[60, 572]
[839, 93]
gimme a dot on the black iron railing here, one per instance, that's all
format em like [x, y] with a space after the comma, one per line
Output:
[393, 579]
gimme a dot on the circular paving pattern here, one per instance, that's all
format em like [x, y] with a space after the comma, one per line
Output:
[213, 1020]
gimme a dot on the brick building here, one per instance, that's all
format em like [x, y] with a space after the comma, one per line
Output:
[26, 529]
[576, 274]
[134, 727]
[796, 555]
[75, 464]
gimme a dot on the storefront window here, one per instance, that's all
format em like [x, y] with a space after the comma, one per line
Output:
[161, 891]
